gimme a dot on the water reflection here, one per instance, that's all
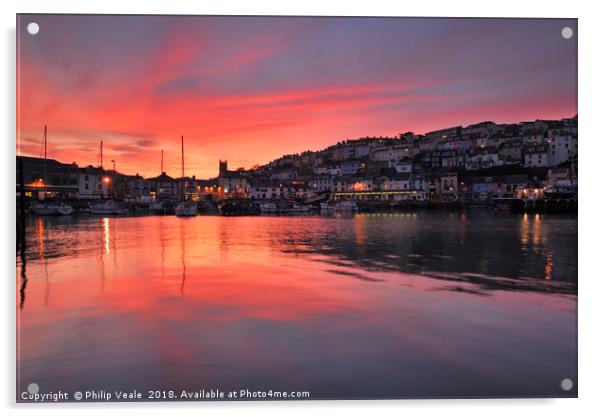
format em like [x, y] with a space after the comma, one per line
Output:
[183, 256]
[346, 304]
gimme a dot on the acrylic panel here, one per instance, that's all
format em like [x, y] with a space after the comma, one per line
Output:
[295, 208]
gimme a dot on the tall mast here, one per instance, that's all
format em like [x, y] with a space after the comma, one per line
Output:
[162, 162]
[45, 155]
[101, 154]
[182, 180]
[182, 156]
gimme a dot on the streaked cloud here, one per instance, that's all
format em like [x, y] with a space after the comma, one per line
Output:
[250, 89]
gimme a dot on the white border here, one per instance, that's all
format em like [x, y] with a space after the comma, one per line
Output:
[590, 280]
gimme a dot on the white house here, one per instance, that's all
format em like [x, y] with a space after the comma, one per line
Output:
[482, 158]
[561, 148]
[449, 186]
[403, 166]
[536, 155]
[93, 183]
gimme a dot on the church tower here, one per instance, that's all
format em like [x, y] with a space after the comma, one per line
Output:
[223, 167]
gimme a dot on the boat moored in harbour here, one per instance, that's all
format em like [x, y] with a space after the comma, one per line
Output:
[107, 207]
[346, 206]
[187, 208]
[298, 209]
[269, 208]
[326, 207]
[51, 209]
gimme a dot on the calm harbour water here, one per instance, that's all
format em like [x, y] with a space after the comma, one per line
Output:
[429, 304]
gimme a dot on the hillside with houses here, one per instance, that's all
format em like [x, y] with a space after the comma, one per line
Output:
[479, 163]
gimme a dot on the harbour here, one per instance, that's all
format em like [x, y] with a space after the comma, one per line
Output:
[131, 302]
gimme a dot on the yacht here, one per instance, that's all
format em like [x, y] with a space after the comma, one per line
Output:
[107, 207]
[269, 208]
[298, 208]
[326, 207]
[51, 209]
[187, 209]
[346, 206]
[64, 209]
[48, 209]
[156, 207]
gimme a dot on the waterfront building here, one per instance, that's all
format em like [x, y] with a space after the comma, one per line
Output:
[394, 182]
[163, 187]
[320, 183]
[481, 188]
[561, 180]
[269, 190]
[188, 187]
[505, 186]
[47, 178]
[370, 167]
[419, 183]
[349, 184]
[449, 187]
[93, 183]
[433, 187]
[138, 189]
[533, 190]
[209, 190]
[236, 181]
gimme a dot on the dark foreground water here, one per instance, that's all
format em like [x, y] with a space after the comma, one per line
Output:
[371, 306]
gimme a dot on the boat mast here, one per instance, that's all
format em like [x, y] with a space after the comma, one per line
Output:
[101, 154]
[182, 177]
[162, 161]
[45, 158]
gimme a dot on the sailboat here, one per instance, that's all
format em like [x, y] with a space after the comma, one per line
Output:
[49, 209]
[346, 206]
[186, 208]
[107, 207]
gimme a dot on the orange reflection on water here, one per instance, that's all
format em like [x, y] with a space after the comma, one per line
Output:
[549, 266]
[525, 230]
[209, 298]
[41, 237]
[106, 235]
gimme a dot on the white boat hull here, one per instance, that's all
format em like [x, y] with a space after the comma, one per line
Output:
[44, 211]
[345, 207]
[108, 211]
[186, 210]
[107, 208]
[65, 210]
[269, 208]
[52, 209]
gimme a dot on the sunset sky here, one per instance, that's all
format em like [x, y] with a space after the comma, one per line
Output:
[249, 89]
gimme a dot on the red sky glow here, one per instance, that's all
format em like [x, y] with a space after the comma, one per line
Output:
[250, 89]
